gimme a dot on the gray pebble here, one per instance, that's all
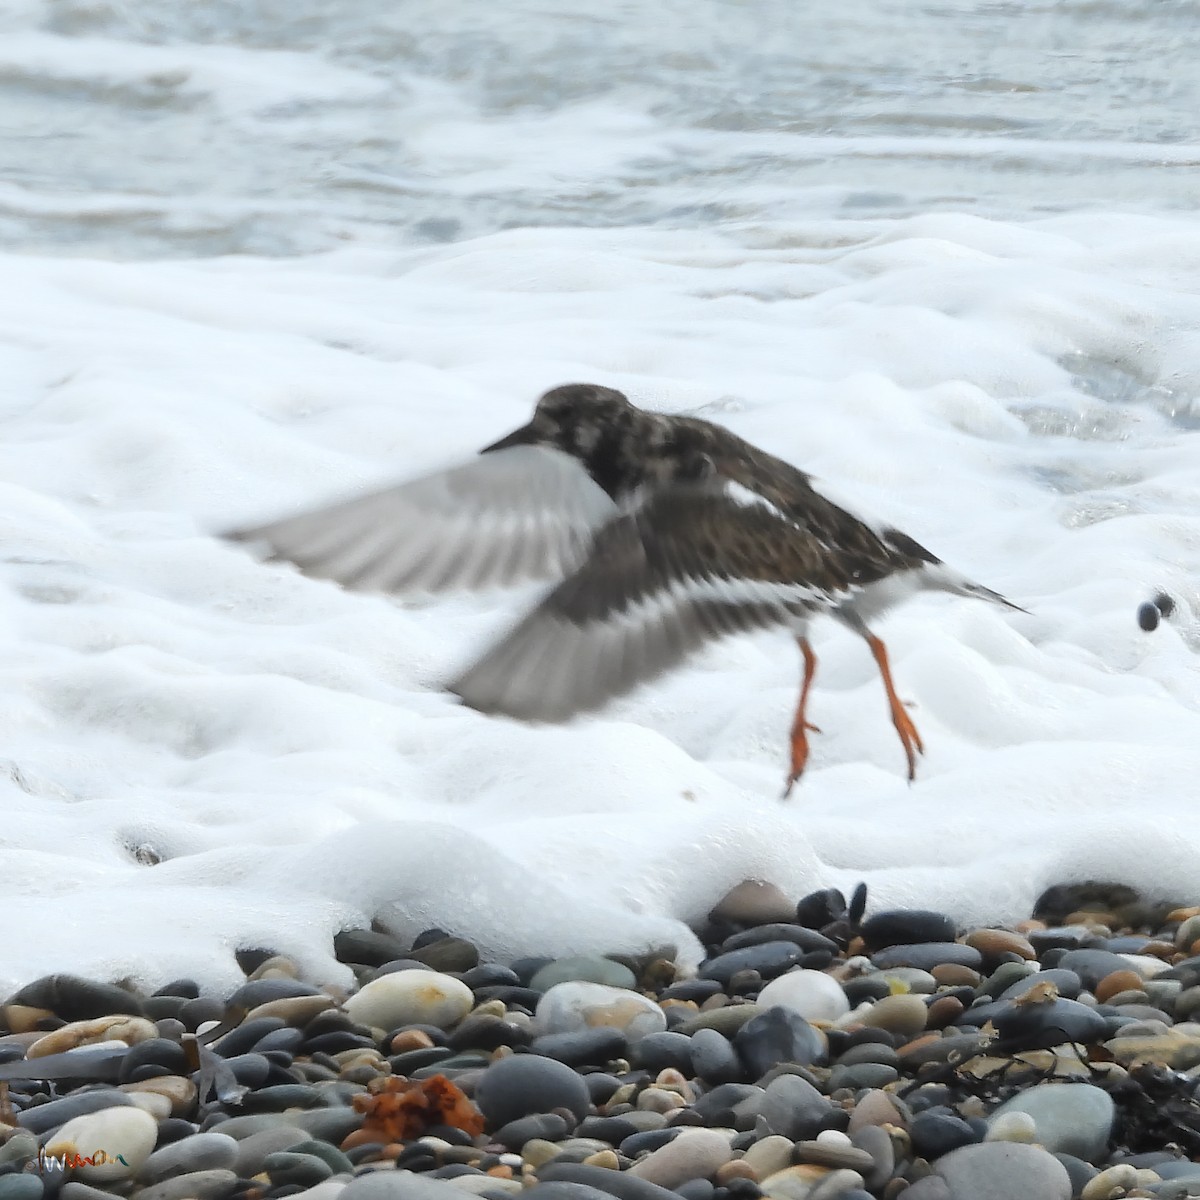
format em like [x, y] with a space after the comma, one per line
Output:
[199, 1185]
[202, 1152]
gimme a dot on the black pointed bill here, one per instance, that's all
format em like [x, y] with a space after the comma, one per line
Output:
[525, 436]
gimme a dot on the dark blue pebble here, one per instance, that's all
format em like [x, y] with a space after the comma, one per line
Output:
[650, 1139]
[338, 1040]
[935, 1132]
[615, 1183]
[550, 1126]
[73, 998]
[286, 1167]
[1092, 965]
[250, 1070]
[486, 1031]
[716, 1107]
[585, 1047]
[278, 1099]
[927, 955]
[714, 1059]
[768, 959]
[490, 975]
[907, 927]
[454, 1171]
[658, 1051]
[775, 1036]
[779, 931]
[528, 1083]
[511, 996]
[413, 1060]
[818, 909]
[260, 991]
[366, 947]
[45, 1117]
[600, 1086]
[166, 1056]
[1081, 1173]
[526, 968]
[1069, 984]
[613, 1130]
[200, 1011]
[1062, 937]
[1040, 1026]
[696, 1189]
[189, 989]
[245, 1036]
[287, 1040]
[692, 989]
[866, 987]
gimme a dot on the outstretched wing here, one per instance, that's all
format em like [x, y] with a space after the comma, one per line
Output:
[689, 566]
[506, 517]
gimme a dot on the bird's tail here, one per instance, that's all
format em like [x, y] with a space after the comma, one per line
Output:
[970, 588]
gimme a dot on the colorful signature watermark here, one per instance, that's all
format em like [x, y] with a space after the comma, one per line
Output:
[61, 1162]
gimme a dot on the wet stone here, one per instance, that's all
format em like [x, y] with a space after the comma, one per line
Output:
[1042, 1025]
[767, 958]
[523, 1084]
[658, 1051]
[906, 926]
[585, 1047]
[778, 1036]
[927, 955]
[583, 969]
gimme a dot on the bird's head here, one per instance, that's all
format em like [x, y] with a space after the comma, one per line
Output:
[573, 418]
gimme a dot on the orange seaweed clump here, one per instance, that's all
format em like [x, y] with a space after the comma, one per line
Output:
[397, 1108]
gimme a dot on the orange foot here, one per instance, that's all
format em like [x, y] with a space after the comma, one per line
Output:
[909, 737]
[801, 725]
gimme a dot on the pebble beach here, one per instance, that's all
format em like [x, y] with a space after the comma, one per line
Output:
[280, 917]
[815, 1054]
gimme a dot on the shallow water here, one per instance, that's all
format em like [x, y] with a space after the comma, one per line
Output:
[943, 256]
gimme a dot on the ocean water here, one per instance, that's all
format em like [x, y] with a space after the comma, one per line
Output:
[943, 255]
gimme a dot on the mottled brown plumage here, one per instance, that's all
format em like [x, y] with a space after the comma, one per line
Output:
[665, 532]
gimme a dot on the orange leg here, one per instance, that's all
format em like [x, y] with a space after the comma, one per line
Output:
[909, 736]
[800, 725]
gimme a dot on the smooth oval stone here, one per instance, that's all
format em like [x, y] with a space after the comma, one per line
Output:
[862, 1075]
[411, 997]
[240, 1040]
[366, 947]
[792, 1107]
[584, 969]
[1004, 1171]
[778, 1036]
[1069, 984]
[753, 902]
[779, 931]
[714, 1059]
[583, 1047]
[935, 1133]
[637, 1144]
[573, 1006]
[1092, 965]
[399, 1185]
[253, 1149]
[927, 955]
[200, 1185]
[906, 926]
[550, 1127]
[119, 1133]
[657, 1051]
[46, 1116]
[451, 954]
[811, 994]
[694, 1154]
[913, 980]
[201, 1152]
[285, 1167]
[1070, 1118]
[155, 1052]
[608, 1183]
[1041, 1026]
[869, 1052]
[525, 1083]
[767, 958]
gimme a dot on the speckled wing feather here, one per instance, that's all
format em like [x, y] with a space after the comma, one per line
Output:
[691, 565]
[524, 513]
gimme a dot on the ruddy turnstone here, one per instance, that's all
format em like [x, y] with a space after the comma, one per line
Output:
[663, 531]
